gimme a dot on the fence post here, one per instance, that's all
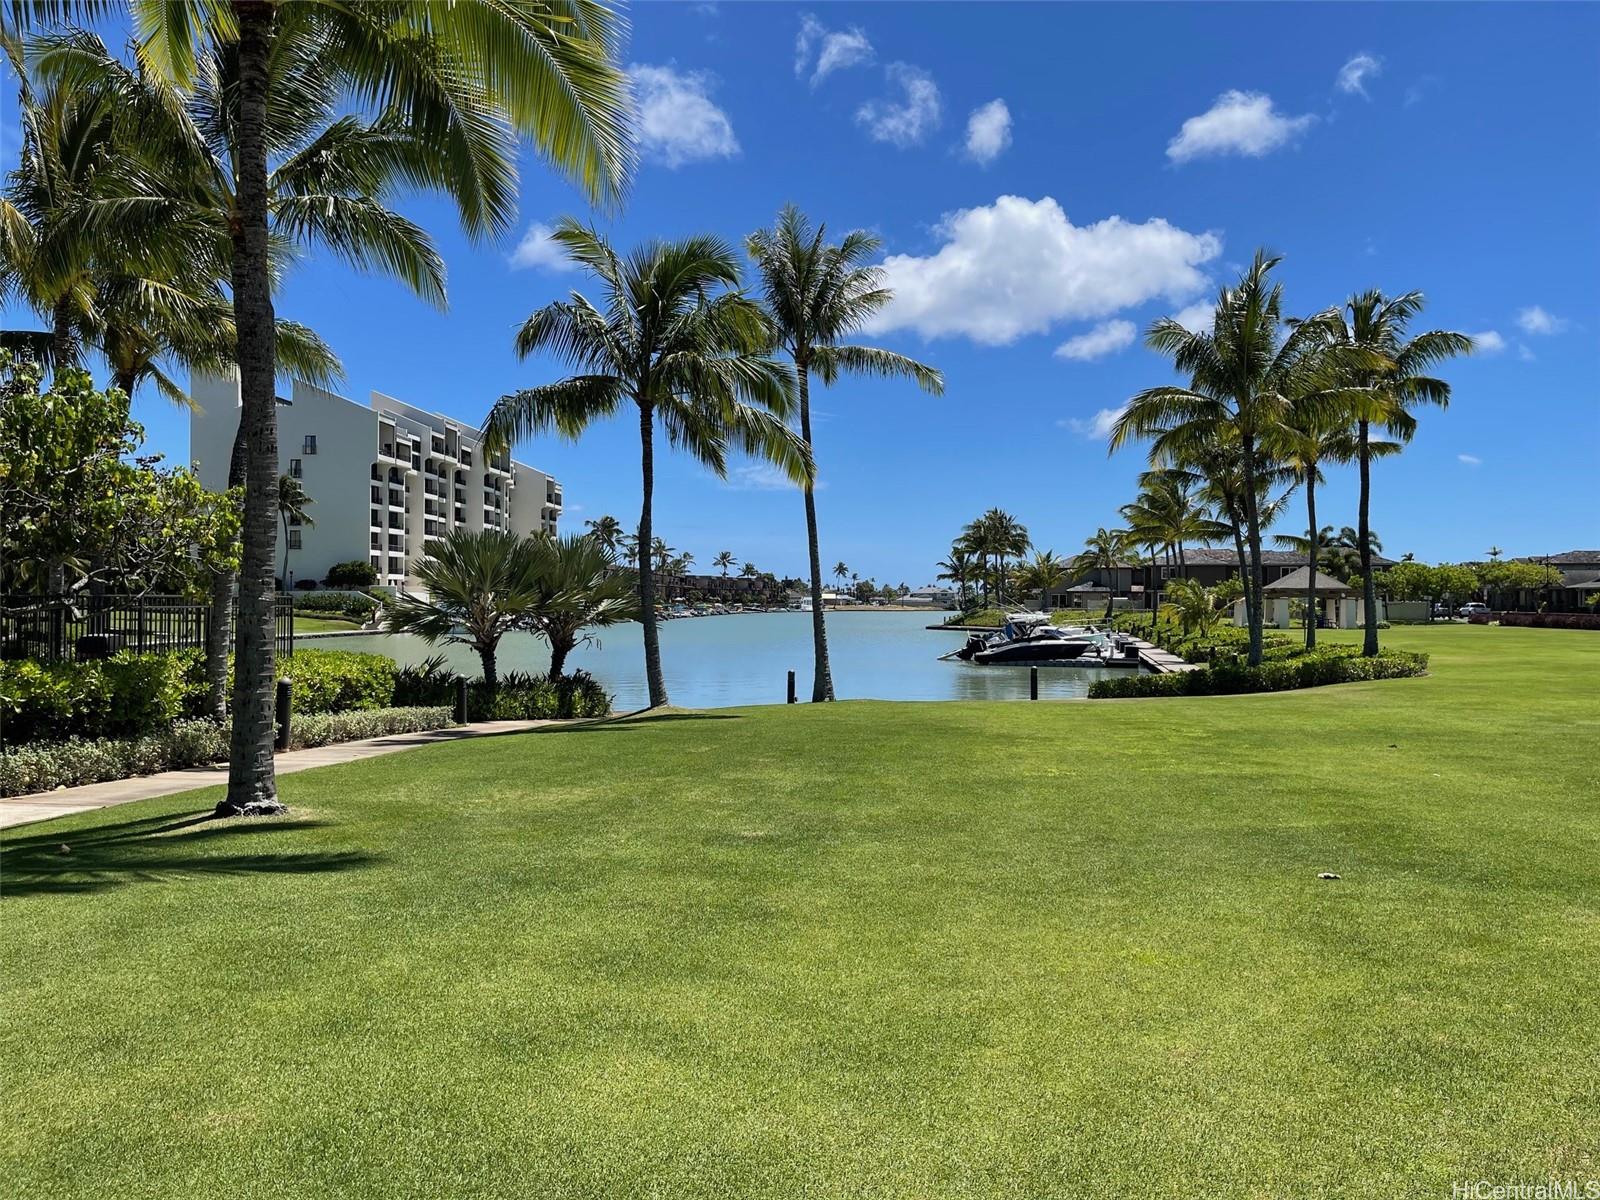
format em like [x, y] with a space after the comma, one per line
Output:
[285, 711]
[791, 699]
[1033, 683]
[141, 623]
[461, 701]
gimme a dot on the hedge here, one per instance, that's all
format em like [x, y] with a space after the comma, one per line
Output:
[521, 696]
[328, 681]
[1539, 620]
[125, 695]
[1316, 669]
[42, 768]
[350, 604]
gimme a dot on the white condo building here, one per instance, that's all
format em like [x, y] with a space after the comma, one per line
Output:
[386, 478]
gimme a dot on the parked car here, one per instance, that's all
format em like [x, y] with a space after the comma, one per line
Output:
[1472, 610]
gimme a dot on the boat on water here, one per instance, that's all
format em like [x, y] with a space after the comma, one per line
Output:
[1030, 639]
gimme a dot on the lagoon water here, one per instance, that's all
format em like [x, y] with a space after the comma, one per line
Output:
[717, 662]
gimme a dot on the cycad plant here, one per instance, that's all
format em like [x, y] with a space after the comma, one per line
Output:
[579, 590]
[817, 294]
[669, 336]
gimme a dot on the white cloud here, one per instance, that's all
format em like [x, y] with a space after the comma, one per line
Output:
[907, 121]
[836, 49]
[988, 131]
[1018, 266]
[1106, 338]
[762, 477]
[1199, 317]
[536, 250]
[1096, 428]
[678, 123]
[1471, 460]
[1238, 123]
[1354, 74]
[1488, 342]
[1536, 320]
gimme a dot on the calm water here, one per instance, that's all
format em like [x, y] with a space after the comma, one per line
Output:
[716, 662]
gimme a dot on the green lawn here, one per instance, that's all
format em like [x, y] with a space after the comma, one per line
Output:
[1009, 950]
[323, 623]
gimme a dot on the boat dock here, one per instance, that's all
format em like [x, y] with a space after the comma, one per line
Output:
[1162, 662]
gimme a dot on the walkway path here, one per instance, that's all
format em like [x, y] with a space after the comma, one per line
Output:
[44, 806]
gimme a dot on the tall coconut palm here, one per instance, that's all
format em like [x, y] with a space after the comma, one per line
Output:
[606, 530]
[464, 78]
[294, 504]
[579, 590]
[669, 338]
[1241, 374]
[959, 569]
[818, 294]
[1392, 380]
[723, 560]
[1102, 550]
[841, 572]
[1045, 573]
[749, 570]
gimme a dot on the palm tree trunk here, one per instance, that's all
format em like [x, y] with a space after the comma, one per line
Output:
[285, 572]
[1369, 587]
[1252, 517]
[559, 649]
[654, 679]
[124, 382]
[491, 675]
[822, 674]
[64, 348]
[219, 631]
[1311, 565]
[252, 786]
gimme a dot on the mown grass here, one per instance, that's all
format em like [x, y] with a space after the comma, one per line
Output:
[324, 623]
[854, 950]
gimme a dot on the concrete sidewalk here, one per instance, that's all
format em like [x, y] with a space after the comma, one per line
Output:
[45, 806]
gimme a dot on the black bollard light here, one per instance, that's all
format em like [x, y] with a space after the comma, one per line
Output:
[461, 701]
[1033, 683]
[792, 696]
[283, 714]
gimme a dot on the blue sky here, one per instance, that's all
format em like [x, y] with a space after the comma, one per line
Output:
[1047, 180]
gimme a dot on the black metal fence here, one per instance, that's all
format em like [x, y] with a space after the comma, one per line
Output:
[52, 629]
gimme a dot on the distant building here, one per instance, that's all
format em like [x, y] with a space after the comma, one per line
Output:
[1140, 585]
[386, 478]
[1580, 579]
[930, 595]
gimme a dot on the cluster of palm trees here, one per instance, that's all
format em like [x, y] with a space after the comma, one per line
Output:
[160, 201]
[665, 559]
[1269, 400]
[980, 555]
[671, 335]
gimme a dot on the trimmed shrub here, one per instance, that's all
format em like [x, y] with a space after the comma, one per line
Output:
[305, 585]
[125, 695]
[350, 604]
[1341, 664]
[328, 681]
[525, 697]
[1541, 620]
[43, 768]
[427, 682]
[357, 573]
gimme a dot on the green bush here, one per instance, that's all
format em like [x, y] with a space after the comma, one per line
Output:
[324, 729]
[1334, 664]
[45, 767]
[427, 682]
[356, 573]
[125, 695]
[525, 697]
[350, 604]
[328, 681]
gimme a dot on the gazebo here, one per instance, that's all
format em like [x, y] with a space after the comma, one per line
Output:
[1341, 603]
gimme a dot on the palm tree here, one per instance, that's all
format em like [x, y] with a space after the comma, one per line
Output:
[996, 536]
[818, 294]
[749, 570]
[667, 337]
[724, 559]
[293, 501]
[1241, 373]
[606, 530]
[1045, 573]
[660, 553]
[479, 586]
[578, 589]
[1391, 378]
[1195, 607]
[840, 572]
[465, 78]
[960, 570]
[1103, 550]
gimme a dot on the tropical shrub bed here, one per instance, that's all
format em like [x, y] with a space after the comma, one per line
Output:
[1315, 668]
[1220, 643]
[1539, 620]
[187, 743]
[327, 681]
[122, 696]
[348, 604]
[520, 697]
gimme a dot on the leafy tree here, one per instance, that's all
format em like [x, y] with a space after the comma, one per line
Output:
[479, 586]
[577, 590]
[670, 337]
[818, 294]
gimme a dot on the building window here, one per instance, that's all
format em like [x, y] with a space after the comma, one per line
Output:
[294, 468]
[311, 444]
[294, 539]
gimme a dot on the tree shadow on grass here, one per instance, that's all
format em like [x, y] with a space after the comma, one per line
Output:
[165, 849]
